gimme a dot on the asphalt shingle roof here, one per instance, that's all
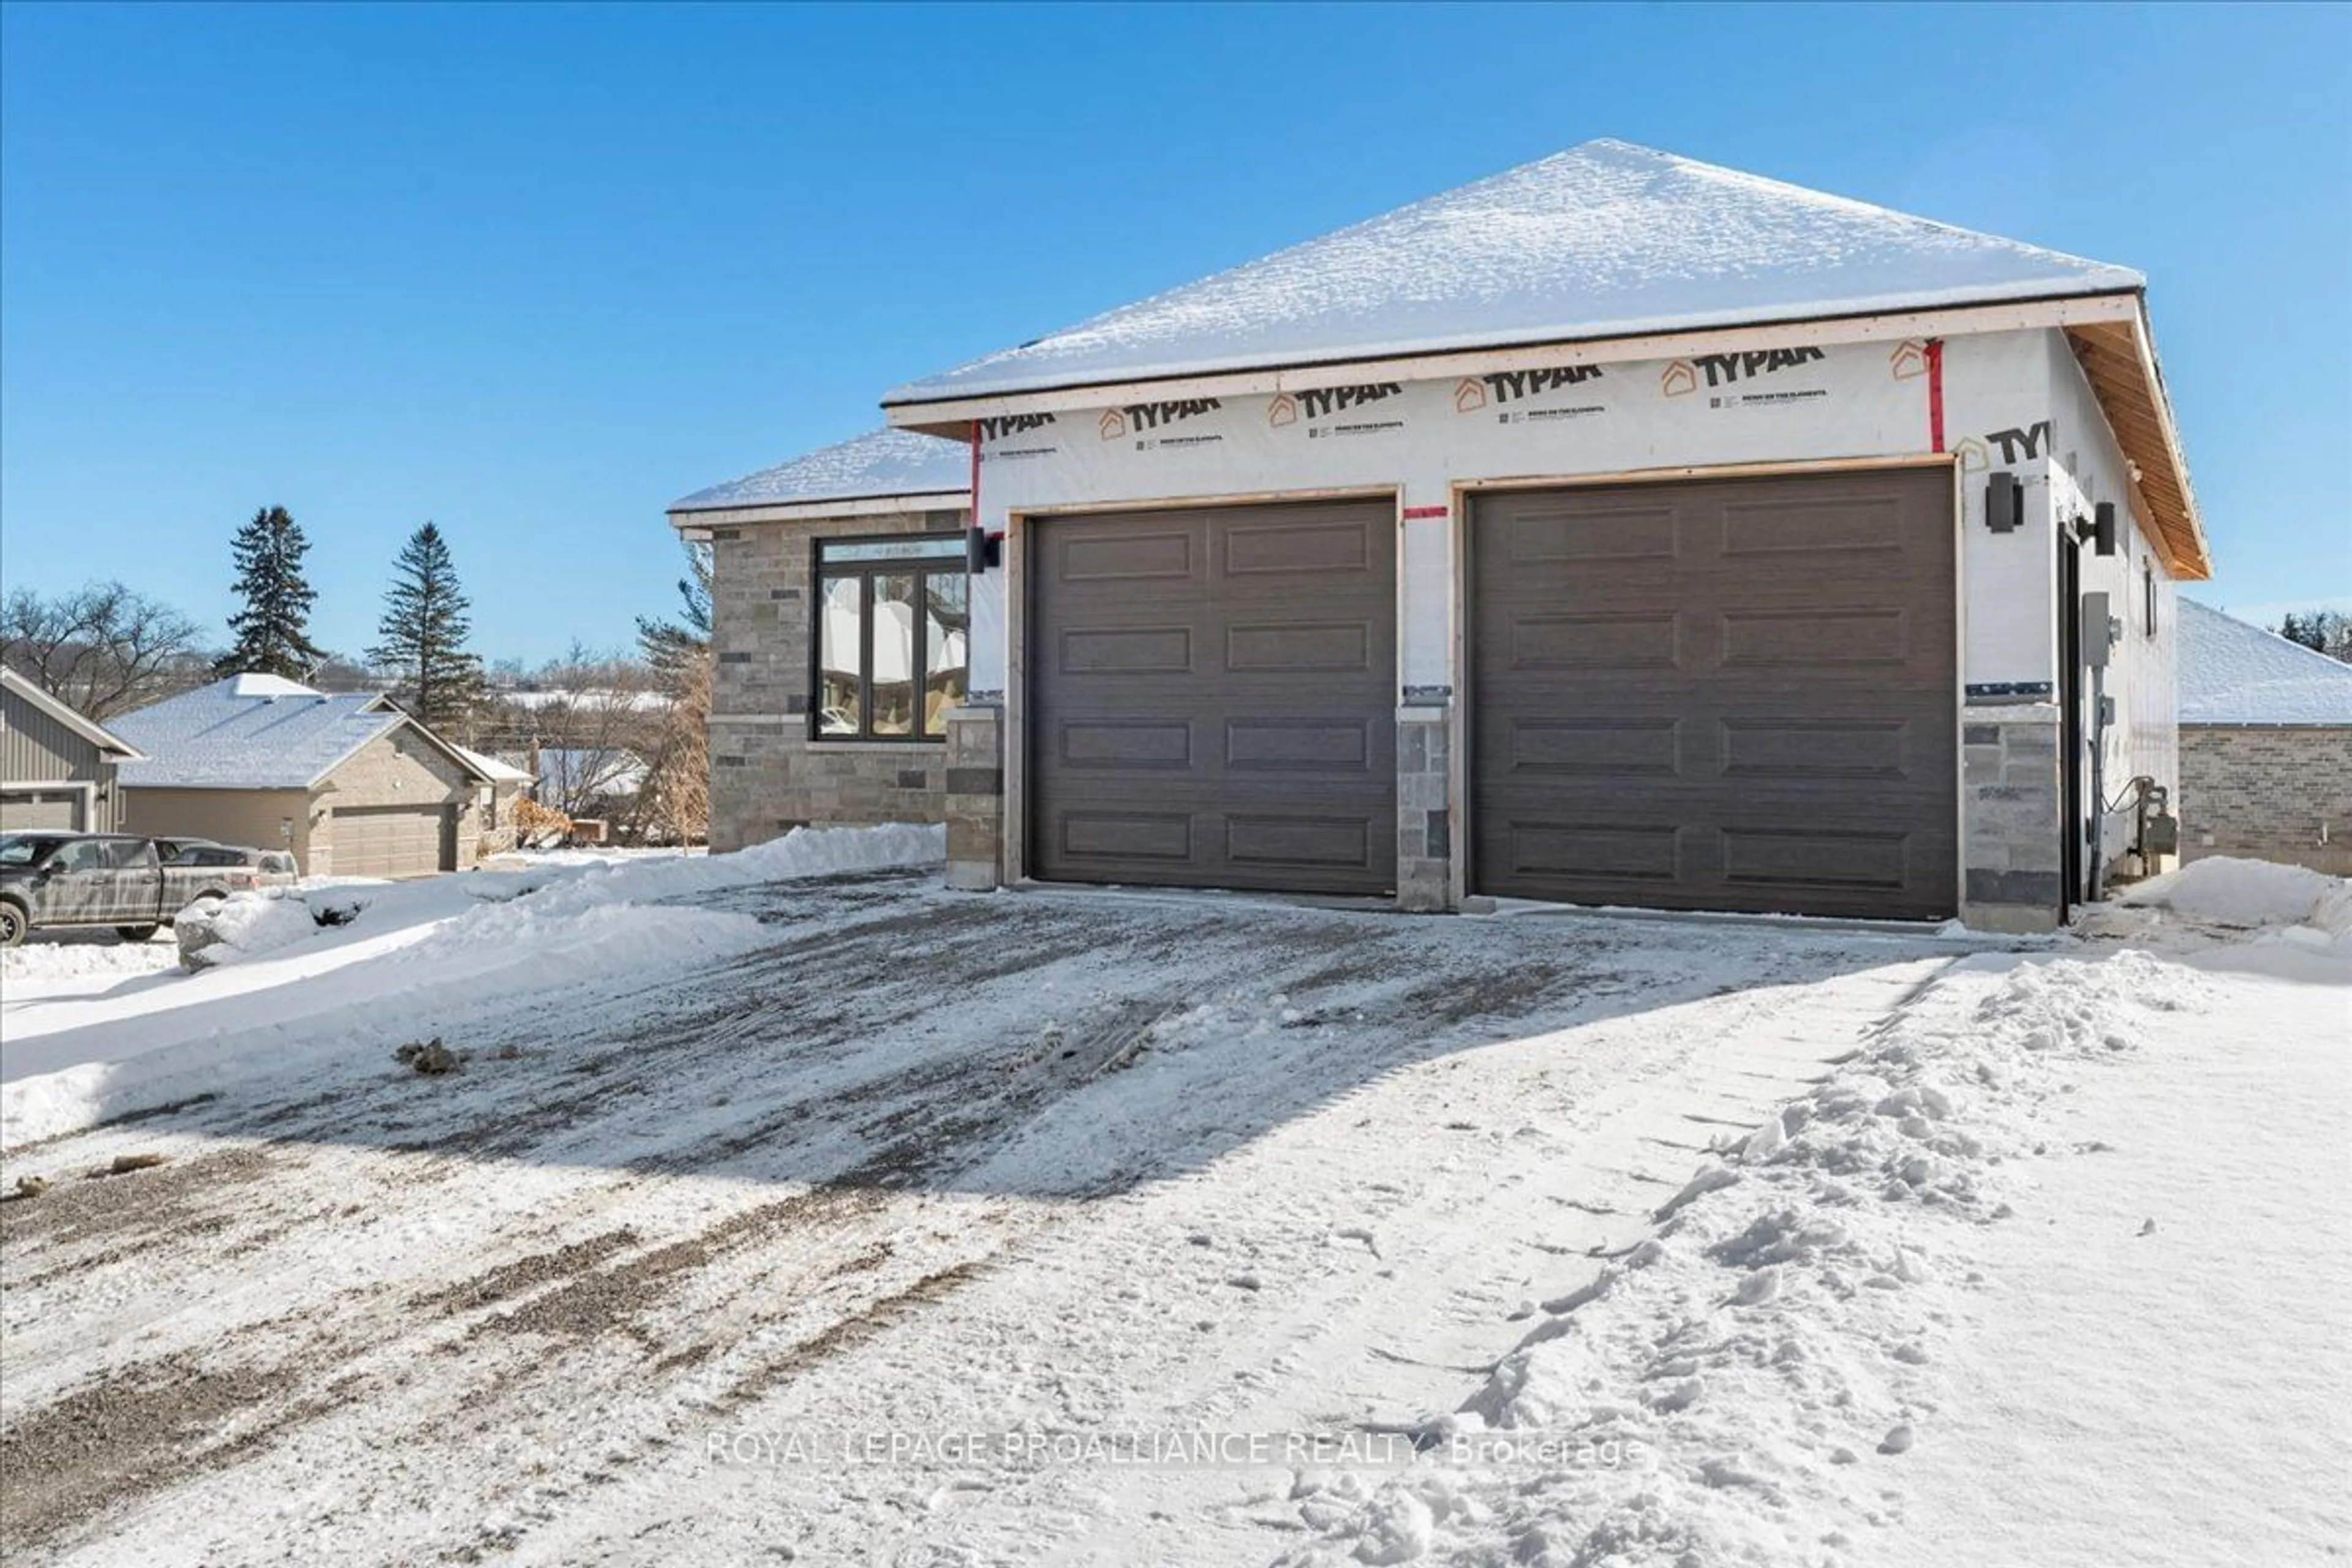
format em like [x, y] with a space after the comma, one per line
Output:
[251, 732]
[2234, 673]
[877, 464]
[1605, 239]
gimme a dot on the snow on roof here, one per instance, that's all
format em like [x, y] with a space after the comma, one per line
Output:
[1604, 239]
[878, 463]
[490, 767]
[251, 732]
[2235, 673]
[253, 683]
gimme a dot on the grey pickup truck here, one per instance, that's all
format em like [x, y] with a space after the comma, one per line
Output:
[57, 880]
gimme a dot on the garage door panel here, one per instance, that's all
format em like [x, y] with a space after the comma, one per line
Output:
[55, 811]
[1128, 558]
[1300, 745]
[1800, 637]
[1595, 851]
[387, 840]
[1127, 651]
[1288, 548]
[1614, 641]
[1756, 714]
[1314, 843]
[1299, 647]
[1232, 724]
[1819, 858]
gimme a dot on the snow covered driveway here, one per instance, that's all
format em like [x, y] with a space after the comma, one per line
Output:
[914, 1163]
[881, 1224]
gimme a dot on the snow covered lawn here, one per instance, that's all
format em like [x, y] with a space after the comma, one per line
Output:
[841, 1219]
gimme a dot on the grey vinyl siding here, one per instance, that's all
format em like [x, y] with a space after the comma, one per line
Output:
[36, 749]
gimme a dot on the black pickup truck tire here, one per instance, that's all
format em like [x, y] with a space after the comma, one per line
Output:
[137, 934]
[13, 924]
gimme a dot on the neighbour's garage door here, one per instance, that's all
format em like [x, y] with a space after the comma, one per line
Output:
[387, 841]
[1722, 695]
[1213, 697]
[27, 810]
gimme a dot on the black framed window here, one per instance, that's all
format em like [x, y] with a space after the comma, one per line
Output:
[2147, 596]
[892, 637]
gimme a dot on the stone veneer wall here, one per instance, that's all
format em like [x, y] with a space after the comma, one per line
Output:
[767, 777]
[2268, 792]
[2013, 828]
[1424, 813]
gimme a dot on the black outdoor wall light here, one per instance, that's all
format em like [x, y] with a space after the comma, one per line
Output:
[2099, 530]
[981, 551]
[2004, 502]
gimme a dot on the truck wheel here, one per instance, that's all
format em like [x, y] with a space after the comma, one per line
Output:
[12, 925]
[136, 933]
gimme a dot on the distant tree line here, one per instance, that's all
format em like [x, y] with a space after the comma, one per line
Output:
[2327, 631]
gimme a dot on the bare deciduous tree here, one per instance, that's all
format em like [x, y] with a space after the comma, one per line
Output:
[593, 721]
[102, 648]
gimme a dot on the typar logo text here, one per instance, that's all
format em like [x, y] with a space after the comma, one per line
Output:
[1010, 428]
[1499, 389]
[1004, 425]
[1139, 417]
[1321, 409]
[1684, 376]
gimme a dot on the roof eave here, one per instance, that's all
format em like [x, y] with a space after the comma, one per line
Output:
[951, 417]
[688, 519]
[2119, 361]
[65, 713]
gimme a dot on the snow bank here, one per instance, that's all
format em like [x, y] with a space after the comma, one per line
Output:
[41, 961]
[425, 957]
[258, 923]
[1749, 1371]
[2251, 894]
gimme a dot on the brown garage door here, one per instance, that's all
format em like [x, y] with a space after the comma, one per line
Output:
[387, 841]
[1720, 694]
[1213, 697]
[55, 810]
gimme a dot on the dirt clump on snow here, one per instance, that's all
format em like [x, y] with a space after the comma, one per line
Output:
[429, 1057]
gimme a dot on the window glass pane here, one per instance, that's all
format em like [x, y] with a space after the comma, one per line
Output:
[893, 675]
[834, 552]
[946, 633]
[837, 660]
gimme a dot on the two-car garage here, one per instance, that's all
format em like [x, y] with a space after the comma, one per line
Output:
[1726, 694]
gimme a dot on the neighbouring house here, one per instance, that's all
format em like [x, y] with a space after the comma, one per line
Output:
[349, 783]
[505, 785]
[590, 782]
[56, 768]
[839, 626]
[1620, 529]
[2265, 745]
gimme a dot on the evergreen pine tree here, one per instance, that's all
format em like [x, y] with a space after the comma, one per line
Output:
[272, 631]
[423, 634]
[675, 648]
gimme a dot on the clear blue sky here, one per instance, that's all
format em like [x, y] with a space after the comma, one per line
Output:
[533, 272]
